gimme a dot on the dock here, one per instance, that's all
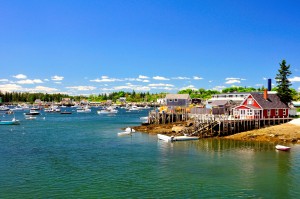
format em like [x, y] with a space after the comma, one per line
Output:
[209, 125]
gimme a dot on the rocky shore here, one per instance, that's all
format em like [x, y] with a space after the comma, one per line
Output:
[283, 133]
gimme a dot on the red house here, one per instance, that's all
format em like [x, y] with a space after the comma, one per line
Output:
[261, 105]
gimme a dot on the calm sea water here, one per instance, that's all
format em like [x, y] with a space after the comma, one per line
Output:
[81, 156]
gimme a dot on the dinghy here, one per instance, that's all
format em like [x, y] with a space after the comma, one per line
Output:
[128, 131]
[282, 148]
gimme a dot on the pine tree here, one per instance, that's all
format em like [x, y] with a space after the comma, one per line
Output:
[283, 84]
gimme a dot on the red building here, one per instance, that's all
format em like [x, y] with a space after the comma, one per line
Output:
[261, 105]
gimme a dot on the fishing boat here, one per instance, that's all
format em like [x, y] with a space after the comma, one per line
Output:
[128, 131]
[282, 148]
[176, 138]
[84, 109]
[9, 122]
[108, 110]
[32, 112]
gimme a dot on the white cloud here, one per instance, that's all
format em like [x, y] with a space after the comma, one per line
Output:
[82, 88]
[43, 89]
[210, 81]
[295, 79]
[105, 79]
[146, 81]
[46, 80]
[160, 78]
[233, 80]
[181, 78]
[3, 80]
[197, 78]
[30, 81]
[161, 85]
[20, 76]
[57, 78]
[189, 87]
[57, 82]
[10, 87]
[143, 77]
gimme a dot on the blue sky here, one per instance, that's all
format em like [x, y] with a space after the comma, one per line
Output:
[91, 47]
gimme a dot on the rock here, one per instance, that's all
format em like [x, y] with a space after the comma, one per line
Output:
[177, 129]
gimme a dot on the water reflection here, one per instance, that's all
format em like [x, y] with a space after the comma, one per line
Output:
[247, 169]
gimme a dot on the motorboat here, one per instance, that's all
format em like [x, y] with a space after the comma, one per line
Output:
[108, 110]
[10, 122]
[128, 131]
[30, 118]
[282, 148]
[32, 112]
[4, 108]
[84, 109]
[176, 138]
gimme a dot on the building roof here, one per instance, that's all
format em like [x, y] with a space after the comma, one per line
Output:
[219, 103]
[273, 101]
[177, 96]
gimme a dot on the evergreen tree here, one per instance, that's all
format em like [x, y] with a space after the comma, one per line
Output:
[283, 84]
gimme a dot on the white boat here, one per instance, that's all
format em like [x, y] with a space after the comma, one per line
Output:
[128, 131]
[32, 112]
[30, 118]
[165, 137]
[134, 108]
[282, 148]
[176, 138]
[4, 108]
[108, 110]
[83, 110]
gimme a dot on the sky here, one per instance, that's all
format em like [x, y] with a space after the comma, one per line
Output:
[93, 47]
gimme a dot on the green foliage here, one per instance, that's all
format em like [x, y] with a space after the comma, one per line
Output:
[283, 84]
[200, 93]
[239, 89]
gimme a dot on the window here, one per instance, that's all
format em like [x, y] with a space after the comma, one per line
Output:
[284, 111]
[276, 112]
[269, 112]
[175, 100]
[250, 101]
[170, 100]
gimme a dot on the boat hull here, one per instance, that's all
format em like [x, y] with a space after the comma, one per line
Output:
[282, 148]
[9, 122]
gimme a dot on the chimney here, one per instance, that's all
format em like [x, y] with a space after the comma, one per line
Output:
[266, 94]
[269, 84]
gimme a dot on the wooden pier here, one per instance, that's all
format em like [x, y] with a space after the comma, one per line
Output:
[209, 125]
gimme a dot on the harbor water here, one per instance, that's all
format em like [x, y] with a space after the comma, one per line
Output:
[81, 156]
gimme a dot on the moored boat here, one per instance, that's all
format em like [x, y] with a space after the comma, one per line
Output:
[128, 131]
[176, 138]
[9, 122]
[282, 148]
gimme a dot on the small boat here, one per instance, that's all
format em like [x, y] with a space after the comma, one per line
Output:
[12, 122]
[128, 131]
[108, 110]
[165, 137]
[65, 112]
[85, 109]
[176, 138]
[32, 112]
[282, 148]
